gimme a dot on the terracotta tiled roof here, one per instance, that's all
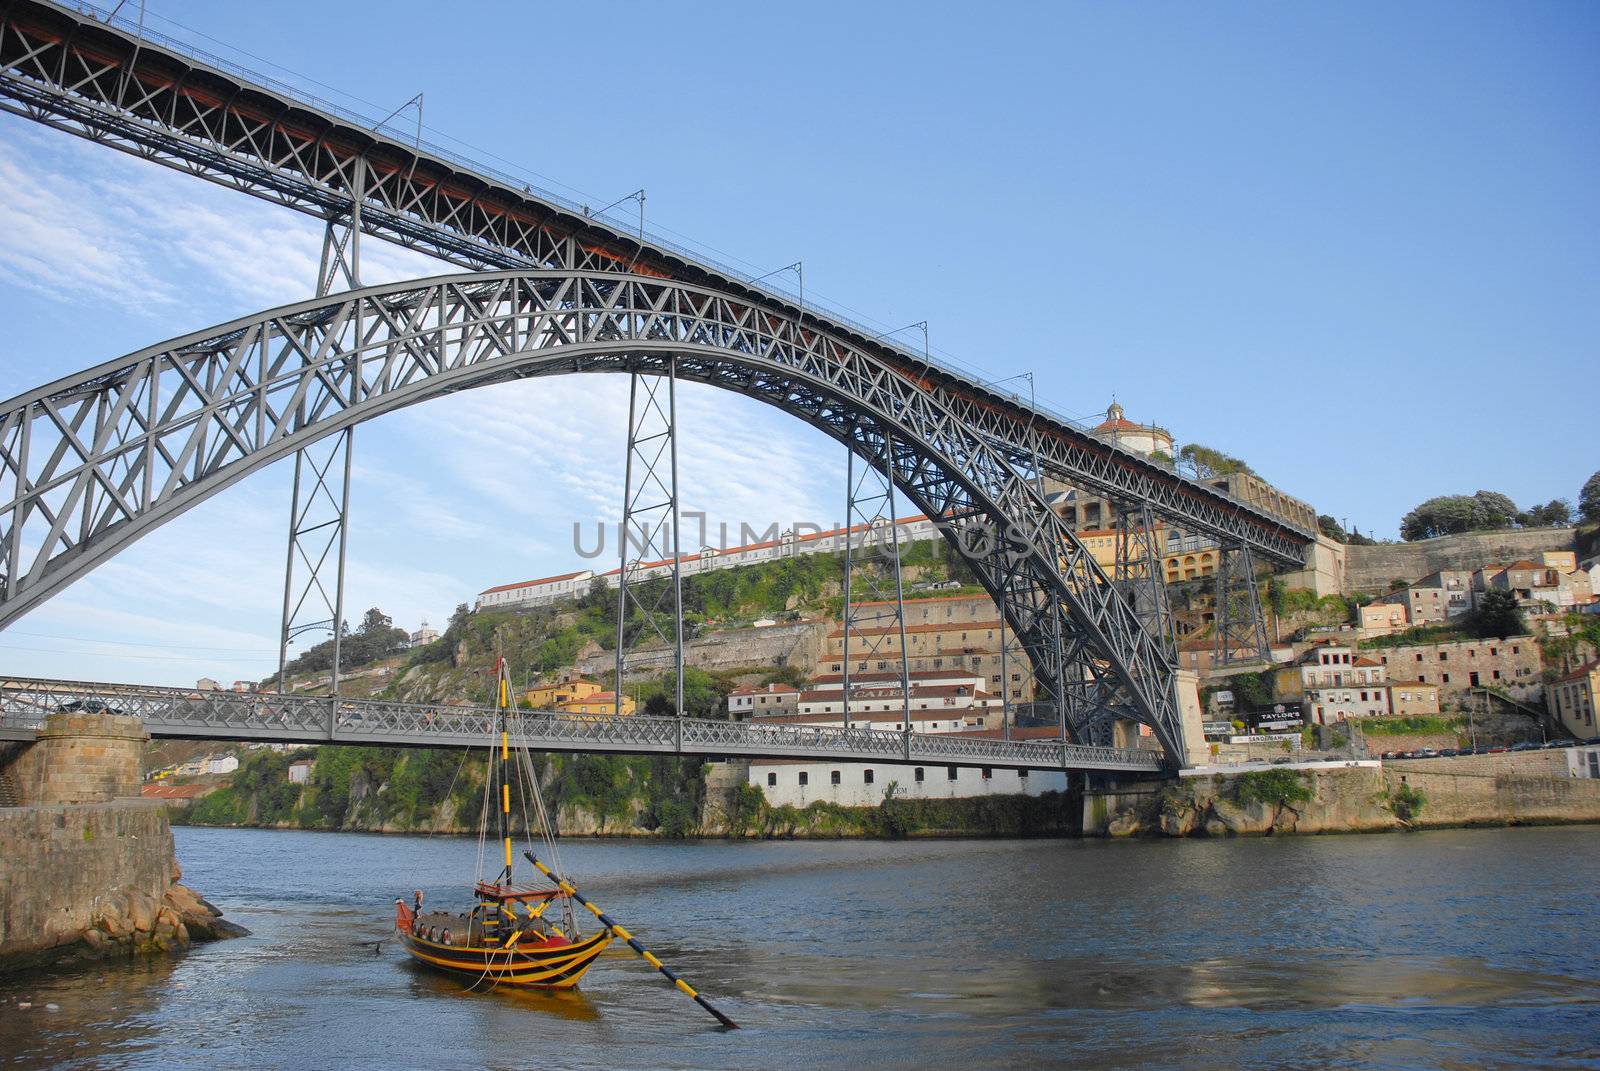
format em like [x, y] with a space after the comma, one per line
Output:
[532, 583]
[157, 791]
[1580, 673]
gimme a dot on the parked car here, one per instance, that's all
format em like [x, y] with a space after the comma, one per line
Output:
[86, 706]
[1390, 755]
[1557, 743]
[1427, 753]
[1280, 762]
[1448, 752]
[1497, 749]
[1525, 745]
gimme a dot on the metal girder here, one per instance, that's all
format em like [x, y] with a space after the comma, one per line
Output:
[874, 595]
[307, 719]
[158, 100]
[91, 462]
[1241, 634]
[649, 533]
[318, 509]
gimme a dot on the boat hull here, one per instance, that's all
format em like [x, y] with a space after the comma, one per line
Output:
[540, 966]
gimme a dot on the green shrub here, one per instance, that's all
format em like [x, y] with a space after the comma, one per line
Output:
[1273, 788]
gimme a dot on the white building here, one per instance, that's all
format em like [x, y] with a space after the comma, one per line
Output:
[773, 699]
[800, 784]
[424, 635]
[937, 708]
[221, 764]
[541, 592]
[1338, 684]
[300, 772]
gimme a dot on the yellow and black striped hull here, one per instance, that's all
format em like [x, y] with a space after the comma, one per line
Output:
[539, 966]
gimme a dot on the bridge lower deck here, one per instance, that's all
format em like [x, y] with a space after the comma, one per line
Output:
[302, 719]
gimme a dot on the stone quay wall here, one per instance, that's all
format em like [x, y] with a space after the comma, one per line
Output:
[1507, 789]
[1373, 568]
[86, 872]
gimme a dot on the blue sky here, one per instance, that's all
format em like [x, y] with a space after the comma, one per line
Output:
[1356, 244]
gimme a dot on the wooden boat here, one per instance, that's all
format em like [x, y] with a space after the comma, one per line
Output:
[505, 938]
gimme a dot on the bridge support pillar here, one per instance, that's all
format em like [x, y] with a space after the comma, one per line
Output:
[318, 512]
[1196, 752]
[650, 524]
[78, 758]
[874, 598]
[1241, 633]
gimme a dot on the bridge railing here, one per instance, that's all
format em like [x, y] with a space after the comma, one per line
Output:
[26, 702]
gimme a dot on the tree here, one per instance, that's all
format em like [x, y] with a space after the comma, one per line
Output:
[1209, 462]
[1497, 615]
[1589, 500]
[1450, 514]
[1552, 514]
[1330, 527]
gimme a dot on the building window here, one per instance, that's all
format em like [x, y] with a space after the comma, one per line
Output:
[918, 775]
[833, 777]
[866, 777]
[805, 779]
[988, 774]
[1022, 775]
[950, 773]
[1444, 678]
[1444, 656]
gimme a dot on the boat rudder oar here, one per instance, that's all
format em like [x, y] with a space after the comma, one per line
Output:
[633, 942]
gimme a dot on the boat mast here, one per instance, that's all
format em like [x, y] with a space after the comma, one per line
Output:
[504, 685]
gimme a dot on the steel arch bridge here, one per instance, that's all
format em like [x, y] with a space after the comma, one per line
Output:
[92, 462]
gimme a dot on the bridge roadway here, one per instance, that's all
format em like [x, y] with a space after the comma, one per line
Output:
[302, 719]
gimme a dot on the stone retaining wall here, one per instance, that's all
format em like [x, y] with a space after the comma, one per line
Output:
[1372, 568]
[1532, 787]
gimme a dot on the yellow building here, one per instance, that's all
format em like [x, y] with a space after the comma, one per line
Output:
[1412, 698]
[597, 703]
[1573, 699]
[551, 696]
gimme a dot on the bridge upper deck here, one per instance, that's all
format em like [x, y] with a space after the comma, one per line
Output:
[155, 97]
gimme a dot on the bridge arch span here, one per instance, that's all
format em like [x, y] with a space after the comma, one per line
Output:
[91, 462]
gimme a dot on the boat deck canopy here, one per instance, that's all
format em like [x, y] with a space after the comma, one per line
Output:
[515, 892]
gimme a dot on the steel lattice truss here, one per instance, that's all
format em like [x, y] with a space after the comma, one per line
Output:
[174, 712]
[90, 463]
[72, 72]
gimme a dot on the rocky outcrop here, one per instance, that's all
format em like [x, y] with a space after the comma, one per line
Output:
[130, 922]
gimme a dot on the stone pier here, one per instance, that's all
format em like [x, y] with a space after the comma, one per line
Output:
[87, 869]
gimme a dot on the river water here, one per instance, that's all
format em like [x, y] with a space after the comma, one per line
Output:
[1469, 949]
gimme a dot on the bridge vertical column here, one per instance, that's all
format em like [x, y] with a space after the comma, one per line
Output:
[650, 517]
[319, 509]
[1241, 633]
[1137, 571]
[872, 568]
